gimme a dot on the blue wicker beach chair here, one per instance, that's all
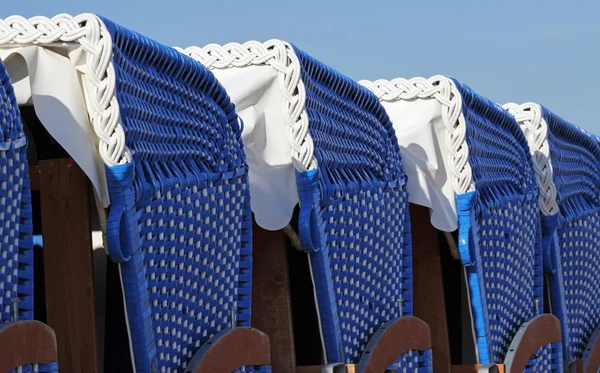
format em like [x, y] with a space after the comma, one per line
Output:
[354, 218]
[179, 222]
[568, 169]
[493, 178]
[25, 345]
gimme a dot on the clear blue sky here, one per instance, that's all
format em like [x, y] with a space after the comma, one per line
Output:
[509, 50]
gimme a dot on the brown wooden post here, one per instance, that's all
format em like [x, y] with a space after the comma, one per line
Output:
[428, 287]
[577, 367]
[68, 266]
[271, 300]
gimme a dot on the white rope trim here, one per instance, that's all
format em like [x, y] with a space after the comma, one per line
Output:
[281, 57]
[529, 116]
[90, 32]
[445, 92]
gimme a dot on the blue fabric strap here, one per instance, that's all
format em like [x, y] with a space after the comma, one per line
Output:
[549, 226]
[464, 204]
[308, 191]
[122, 231]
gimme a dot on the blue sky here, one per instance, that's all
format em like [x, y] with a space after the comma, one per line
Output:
[543, 51]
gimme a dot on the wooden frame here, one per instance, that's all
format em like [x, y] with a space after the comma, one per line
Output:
[26, 342]
[429, 303]
[231, 349]
[271, 298]
[68, 261]
[391, 340]
[542, 330]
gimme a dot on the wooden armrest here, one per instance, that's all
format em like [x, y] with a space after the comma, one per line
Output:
[26, 342]
[540, 331]
[392, 340]
[231, 349]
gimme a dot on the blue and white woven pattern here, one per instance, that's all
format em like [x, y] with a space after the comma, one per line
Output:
[36, 368]
[354, 218]
[16, 246]
[180, 220]
[575, 157]
[547, 359]
[500, 230]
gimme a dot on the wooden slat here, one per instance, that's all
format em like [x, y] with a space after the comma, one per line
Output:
[65, 210]
[34, 177]
[428, 287]
[271, 301]
[577, 367]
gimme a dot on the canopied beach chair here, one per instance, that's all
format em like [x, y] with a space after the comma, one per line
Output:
[315, 137]
[480, 161]
[25, 345]
[568, 172]
[179, 219]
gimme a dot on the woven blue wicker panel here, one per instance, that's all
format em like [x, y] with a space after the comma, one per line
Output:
[504, 257]
[415, 361]
[575, 157]
[16, 243]
[187, 224]
[359, 231]
[254, 369]
[36, 368]
[547, 359]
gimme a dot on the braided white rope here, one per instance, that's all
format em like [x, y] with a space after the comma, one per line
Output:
[445, 92]
[281, 57]
[90, 32]
[529, 116]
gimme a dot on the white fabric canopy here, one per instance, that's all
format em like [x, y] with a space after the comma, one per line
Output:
[421, 134]
[258, 100]
[49, 80]
[418, 125]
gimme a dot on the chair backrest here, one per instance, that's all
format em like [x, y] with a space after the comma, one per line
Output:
[567, 166]
[505, 272]
[491, 173]
[179, 222]
[354, 216]
[575, 156]
[180, 210]
[353, 206]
